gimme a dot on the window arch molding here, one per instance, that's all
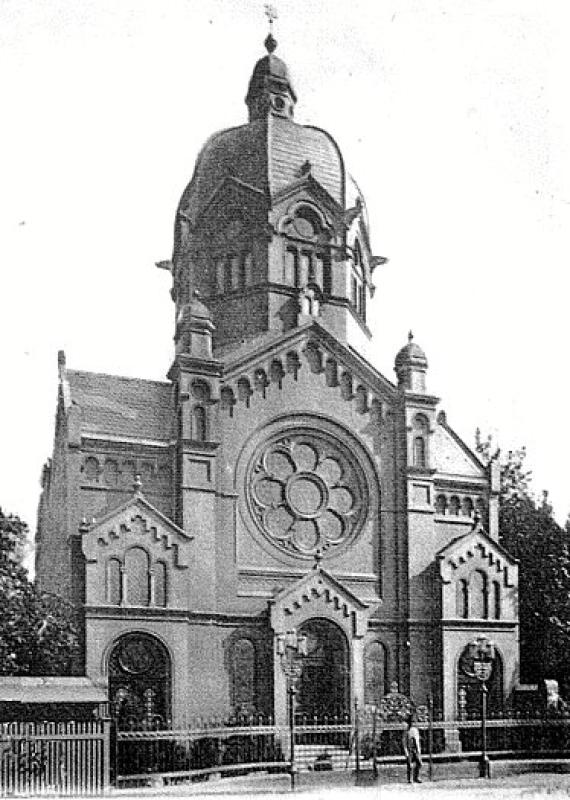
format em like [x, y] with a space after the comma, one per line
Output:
[375, 668]
[128, 583]
[419, 441]
[304, 209]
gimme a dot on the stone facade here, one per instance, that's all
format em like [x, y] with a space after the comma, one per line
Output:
[277, 480]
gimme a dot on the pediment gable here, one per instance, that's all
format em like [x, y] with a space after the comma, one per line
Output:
[475, 550]
[310, 347]
[307, 186]
[318, 594]
[451, 456]
[231, 191]
[136, 523]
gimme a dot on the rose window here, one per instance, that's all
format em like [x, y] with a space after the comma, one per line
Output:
[306, 493]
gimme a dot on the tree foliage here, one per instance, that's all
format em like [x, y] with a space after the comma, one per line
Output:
[37, 631]
[528, 530]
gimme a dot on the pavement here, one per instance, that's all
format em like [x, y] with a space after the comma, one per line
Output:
[553, 783]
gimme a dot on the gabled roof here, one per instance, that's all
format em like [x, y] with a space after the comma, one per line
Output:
[477, 544]
[451, 455]
[50, 690]
[117, 406]
[318, 585]
[136, 509]
[246, 357]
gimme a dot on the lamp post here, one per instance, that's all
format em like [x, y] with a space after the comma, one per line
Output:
[481, 657]
[291, 647]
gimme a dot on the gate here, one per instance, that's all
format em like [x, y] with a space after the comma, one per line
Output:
[54, 758]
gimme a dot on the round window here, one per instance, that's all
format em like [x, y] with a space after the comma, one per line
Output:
[306, 493]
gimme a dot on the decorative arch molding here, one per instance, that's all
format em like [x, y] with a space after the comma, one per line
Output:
[300, 351]
[318, 594]
[136, 522]
[297, 207]
[477, 551]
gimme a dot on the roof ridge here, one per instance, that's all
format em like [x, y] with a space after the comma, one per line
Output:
[117, 377]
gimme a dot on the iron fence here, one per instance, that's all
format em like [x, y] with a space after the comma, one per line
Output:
[364, 742]
[84, 758]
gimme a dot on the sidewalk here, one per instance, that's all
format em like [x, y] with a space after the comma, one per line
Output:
[554, 783]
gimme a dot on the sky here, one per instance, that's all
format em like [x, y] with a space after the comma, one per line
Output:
[452, 115]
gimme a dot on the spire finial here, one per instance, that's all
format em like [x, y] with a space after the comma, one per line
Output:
[137, 486]
[410, 337]
[271, 14]
[318, 556]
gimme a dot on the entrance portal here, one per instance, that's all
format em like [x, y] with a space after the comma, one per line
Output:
[139, 682]
[324, 685]
[469, 689]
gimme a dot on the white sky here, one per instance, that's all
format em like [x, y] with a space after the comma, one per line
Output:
[453, 116]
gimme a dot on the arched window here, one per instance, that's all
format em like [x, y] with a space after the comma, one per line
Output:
[479, 595]
[420, 431]
[91, 469]
[244, 390]
[243, 675]
[374, 673]
[247, 269]
[159, 575]
[419, 451]
[113, 582]
[137, 577]
[467, 507]
[462, 598]
[235, 272]
[454, 506]
[440, 504]
[199, 423]
[228, 400]
[111, 472]
[220, 274]
[496, 600]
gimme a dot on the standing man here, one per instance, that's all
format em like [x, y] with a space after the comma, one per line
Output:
[412, 750]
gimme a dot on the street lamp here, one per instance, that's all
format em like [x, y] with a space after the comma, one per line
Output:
[291, 647]
[481, 655]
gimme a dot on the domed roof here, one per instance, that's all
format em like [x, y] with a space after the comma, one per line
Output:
[266, 155]
[411, 355]
[270, 66]
[271, 151]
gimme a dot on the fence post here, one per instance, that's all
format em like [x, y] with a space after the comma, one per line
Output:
[291, 693]
[106, 755]
[357, 737]
[430, 737]
[375, 718]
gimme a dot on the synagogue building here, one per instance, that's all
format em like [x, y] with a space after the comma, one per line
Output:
[275, 480]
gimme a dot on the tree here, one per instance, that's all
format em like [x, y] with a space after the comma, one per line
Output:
[528, 530]
[37, 631]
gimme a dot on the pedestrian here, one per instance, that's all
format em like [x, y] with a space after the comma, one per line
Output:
[412, 750]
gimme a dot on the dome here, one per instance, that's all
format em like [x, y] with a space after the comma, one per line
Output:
[271, 151]
[267, 155]
[411, 355]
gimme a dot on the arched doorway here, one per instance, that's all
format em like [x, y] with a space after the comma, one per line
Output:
[323, 689]
[469, 689]
[140, 682]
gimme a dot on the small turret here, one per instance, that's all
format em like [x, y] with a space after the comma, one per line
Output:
[411, 366]
[194, 328]
[270, 89]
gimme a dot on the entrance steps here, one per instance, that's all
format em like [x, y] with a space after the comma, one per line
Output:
[314, 757]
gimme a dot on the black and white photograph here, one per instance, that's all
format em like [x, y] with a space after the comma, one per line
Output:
[284, 355]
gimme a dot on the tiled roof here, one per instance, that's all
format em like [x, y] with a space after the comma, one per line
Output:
[268, 155]
[117, 406]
